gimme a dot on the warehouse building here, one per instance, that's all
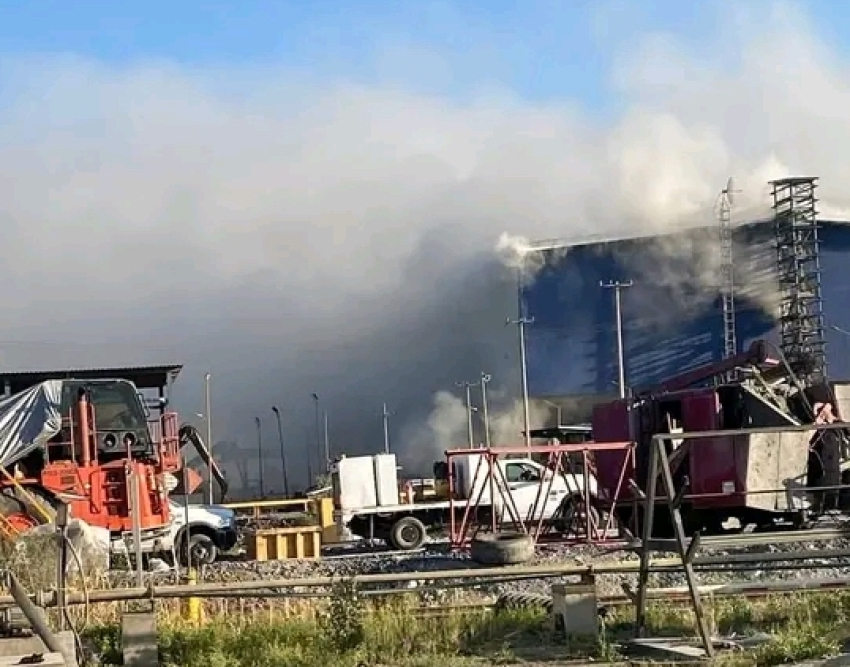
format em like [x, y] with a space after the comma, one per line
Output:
[695, 296]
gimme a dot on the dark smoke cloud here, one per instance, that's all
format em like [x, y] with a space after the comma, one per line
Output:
[291, 235]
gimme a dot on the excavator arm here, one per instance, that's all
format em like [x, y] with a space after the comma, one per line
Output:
[190, 435]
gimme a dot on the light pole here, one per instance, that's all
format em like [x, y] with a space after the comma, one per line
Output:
[521, 322]
[282, 452]
[327, 445]
[485, 378]
[208, 418]
[318, 429]
[618, 287]
[260, 456]
[308, 457]
[470, 432]
[385, 417]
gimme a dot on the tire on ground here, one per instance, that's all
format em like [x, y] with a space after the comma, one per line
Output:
[408, 533]
[502, 548]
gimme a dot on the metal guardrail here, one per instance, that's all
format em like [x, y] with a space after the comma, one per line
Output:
[258, 509]
[453, 578]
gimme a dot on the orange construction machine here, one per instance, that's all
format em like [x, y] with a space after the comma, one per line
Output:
[93, 443]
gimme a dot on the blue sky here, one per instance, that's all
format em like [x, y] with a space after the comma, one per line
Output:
[541, 49]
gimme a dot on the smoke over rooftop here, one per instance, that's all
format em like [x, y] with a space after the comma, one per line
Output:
[295, 234]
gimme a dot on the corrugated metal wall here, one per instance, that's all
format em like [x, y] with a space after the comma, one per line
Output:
[672, 315]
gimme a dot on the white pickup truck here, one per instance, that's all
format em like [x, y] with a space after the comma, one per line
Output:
[211, 530]
[368, 503]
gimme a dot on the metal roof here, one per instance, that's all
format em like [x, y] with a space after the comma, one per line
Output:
[545, 245]
[144, 377]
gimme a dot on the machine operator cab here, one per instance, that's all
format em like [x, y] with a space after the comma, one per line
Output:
[120, 416]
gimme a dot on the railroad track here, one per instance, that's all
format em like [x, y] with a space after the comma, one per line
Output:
[743, 540]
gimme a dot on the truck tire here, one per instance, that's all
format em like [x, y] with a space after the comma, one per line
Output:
[573, 516]
[502, 548]
[202, 550]
[408, 533]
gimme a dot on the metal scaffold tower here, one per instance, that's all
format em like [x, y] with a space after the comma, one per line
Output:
[727, 272]
[801, 325]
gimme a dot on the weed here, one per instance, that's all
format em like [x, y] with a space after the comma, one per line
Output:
[343, 620]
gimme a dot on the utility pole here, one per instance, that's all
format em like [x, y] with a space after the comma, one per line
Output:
[260, 456]
[385, 417]
[618, 287]
[208, 415]
[318, 432]
[470, 431]
[327, 445]
[522, 322]
[308, 456]
[282, 452]
[485, 378]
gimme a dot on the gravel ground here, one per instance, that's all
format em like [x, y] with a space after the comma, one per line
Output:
[348, 562]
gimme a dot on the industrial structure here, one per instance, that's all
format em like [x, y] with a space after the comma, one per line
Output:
[696, 296]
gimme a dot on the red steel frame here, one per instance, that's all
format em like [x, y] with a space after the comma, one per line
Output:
[463, 524]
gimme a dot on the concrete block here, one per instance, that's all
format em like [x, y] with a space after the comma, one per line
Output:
[138, 639]
[575, 610]
[47, 660]
[28, 644]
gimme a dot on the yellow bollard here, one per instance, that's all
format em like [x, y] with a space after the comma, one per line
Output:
[193, 608]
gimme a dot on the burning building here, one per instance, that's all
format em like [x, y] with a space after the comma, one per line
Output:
[696, 295]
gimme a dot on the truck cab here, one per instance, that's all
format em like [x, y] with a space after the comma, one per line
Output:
[528, 479]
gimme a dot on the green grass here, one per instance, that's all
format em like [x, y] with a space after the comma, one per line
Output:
[348, 634]
[392, 636]
[348, 631]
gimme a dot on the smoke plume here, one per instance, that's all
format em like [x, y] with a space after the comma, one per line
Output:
[447, 427]
[292, 234]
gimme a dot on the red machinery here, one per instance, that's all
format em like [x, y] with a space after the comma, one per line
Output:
[751, 476]
[90, 444]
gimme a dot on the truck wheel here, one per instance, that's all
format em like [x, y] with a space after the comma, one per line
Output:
[573, 516]
[202, 550]
[502, 548]
[408, 534]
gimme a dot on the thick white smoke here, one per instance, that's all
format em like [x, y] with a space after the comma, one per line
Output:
[447, 427]
[293, 235]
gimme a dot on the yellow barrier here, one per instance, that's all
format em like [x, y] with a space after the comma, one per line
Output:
[322, 509]
[284, 543]
[257, 508]
[291, 541]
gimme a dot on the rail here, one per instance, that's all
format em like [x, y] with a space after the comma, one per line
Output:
[257, 508]
[437, 579]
